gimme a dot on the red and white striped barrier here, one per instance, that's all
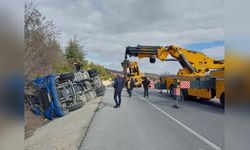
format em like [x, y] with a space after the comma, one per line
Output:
[185, 84]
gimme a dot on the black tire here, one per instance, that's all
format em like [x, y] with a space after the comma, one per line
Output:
[88, 98]
[67, 76]
[76, 106]
[100, 91]
[87, 84]
[93, 73]
[92, 94]
[66, 111]
[152, 60]
[171, 90]
[222, 100]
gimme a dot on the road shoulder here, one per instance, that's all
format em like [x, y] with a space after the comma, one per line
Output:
[66, 132]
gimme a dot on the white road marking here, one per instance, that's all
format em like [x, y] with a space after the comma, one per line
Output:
[183, 125]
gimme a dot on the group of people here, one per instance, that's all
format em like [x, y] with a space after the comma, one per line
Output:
[119, 83]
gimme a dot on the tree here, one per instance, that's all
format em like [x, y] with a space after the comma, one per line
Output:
[42, 53]
[75, 54]
[104, 73]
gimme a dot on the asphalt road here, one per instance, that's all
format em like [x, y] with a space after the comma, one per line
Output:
[152, 124]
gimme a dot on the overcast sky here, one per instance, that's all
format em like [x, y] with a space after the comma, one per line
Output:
[106, 27]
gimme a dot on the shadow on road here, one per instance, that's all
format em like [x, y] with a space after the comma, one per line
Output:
[125, 95]
[207, 103]
[104, 104]
[164, 103]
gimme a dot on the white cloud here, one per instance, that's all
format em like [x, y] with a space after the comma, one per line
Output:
[106, 27]
[215, 52]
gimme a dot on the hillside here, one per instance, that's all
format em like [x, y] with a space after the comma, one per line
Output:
[151, 76]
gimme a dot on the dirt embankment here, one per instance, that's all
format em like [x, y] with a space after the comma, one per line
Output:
[32, 122]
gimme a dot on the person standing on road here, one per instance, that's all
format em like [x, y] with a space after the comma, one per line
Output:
[145, 84]
[130, 85]
[118, 86]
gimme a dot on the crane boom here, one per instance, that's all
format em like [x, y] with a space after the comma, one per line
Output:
[193, 63]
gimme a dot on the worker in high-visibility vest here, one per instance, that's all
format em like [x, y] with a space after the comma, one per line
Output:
[130, 85]
[178, 90]
[177, 94]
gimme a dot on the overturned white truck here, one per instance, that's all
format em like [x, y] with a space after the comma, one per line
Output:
[57, 95]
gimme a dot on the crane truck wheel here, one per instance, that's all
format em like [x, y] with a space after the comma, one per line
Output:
[171, 89]
[222, 100]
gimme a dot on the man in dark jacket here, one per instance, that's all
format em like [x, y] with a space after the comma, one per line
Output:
[130, 86]
[145, 84]
[118, 86]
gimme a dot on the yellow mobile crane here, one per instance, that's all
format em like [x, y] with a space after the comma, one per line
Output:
[134, 72]
[194, 64]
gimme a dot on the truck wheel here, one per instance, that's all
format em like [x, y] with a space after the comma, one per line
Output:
[222, 100]
[67, 76]
[100, 91]
[171, 89]
[88, 98]
[66, 111]
[92, 94]
[76, 106]
[92, 73]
